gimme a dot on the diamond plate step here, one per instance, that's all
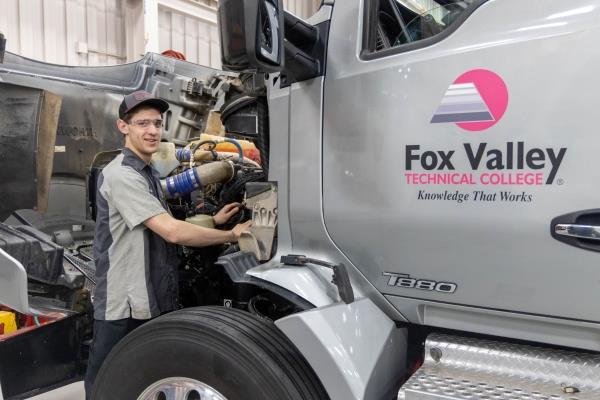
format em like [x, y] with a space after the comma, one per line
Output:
[87, 269]
[457, 368]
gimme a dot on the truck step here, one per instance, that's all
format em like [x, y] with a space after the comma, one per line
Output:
[457, 368]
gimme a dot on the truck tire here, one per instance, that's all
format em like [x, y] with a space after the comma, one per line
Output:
[207, 353]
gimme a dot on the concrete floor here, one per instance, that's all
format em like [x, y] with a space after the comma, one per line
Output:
[73, 391]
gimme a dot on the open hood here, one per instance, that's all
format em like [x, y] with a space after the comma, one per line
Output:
[27, 137]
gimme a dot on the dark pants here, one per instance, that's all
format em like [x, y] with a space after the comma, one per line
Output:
[106, 335]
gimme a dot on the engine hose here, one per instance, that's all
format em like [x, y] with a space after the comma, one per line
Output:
[186, 154]
[232, 189]
[183, 154]
[221, 155]
[239, 147]
[183, 183]
[263, 133]
[195, 178]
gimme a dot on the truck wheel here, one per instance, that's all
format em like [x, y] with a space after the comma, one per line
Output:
[207, 353]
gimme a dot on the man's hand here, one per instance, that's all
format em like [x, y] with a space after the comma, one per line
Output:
[239, 228]
[175, 231]
[226, 213]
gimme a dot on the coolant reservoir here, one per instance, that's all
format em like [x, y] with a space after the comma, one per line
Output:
[165, 159]
[248, 148]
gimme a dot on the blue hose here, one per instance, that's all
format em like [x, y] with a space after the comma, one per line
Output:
[239, 147]
[183, 183]
[183, 154]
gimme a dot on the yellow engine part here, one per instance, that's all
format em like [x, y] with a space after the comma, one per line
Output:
[9, 320]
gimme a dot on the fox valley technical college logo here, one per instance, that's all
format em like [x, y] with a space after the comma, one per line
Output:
[475, 101]
[481, 171]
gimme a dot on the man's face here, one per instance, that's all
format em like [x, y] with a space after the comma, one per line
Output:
[142, 140]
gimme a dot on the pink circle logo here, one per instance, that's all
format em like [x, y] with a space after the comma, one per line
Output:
[475, 101]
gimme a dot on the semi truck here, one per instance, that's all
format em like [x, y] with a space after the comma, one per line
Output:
[419, 177]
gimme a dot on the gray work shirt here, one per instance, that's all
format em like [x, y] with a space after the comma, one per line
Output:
[136, 270]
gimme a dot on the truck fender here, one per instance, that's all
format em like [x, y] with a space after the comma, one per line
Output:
[355, 349]
[311, 282]
[305, 286]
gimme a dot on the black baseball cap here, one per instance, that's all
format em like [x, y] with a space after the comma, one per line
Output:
[138, 98]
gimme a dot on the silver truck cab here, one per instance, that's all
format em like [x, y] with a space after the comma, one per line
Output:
[435, 234]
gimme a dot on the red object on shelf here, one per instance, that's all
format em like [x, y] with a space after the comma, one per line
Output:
[27, 323]
[173, 54]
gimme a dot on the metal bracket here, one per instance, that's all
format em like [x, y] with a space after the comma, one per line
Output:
[341, 279]
[261, 199]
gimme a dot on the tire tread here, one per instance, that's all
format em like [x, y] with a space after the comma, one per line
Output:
[267, 336]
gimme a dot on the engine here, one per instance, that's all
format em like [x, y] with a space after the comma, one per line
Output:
[214, 154]
[199, 179]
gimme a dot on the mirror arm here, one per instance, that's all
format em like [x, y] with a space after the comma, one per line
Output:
[298, 64]
[305, 49]
[298, 31]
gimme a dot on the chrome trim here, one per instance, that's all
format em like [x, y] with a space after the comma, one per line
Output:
[578, 231]
[180, 388]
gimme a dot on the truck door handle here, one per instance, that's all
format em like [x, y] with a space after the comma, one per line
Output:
[580, 229]
[589, 232]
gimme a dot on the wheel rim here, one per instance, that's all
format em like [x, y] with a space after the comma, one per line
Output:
[178, 388]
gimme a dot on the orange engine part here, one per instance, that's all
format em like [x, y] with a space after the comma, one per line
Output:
[249, 152]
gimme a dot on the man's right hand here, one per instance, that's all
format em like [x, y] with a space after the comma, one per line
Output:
[180, 232]
[239, 228]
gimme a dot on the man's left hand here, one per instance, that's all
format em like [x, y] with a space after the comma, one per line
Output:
[226, 213]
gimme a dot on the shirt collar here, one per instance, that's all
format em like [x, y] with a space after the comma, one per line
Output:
[133, 160]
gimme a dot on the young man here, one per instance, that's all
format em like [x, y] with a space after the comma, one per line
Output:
[136, 261]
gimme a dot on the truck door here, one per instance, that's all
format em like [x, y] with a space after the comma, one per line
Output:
[454, 133]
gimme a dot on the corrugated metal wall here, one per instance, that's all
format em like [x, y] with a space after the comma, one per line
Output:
[74, 32]
[94, 32]
[197, 39]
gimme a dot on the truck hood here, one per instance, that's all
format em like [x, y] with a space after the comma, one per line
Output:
[27, 138]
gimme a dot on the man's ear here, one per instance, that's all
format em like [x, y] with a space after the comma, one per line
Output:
[123, 126]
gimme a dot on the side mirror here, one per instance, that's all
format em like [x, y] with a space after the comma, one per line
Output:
[251, 33]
